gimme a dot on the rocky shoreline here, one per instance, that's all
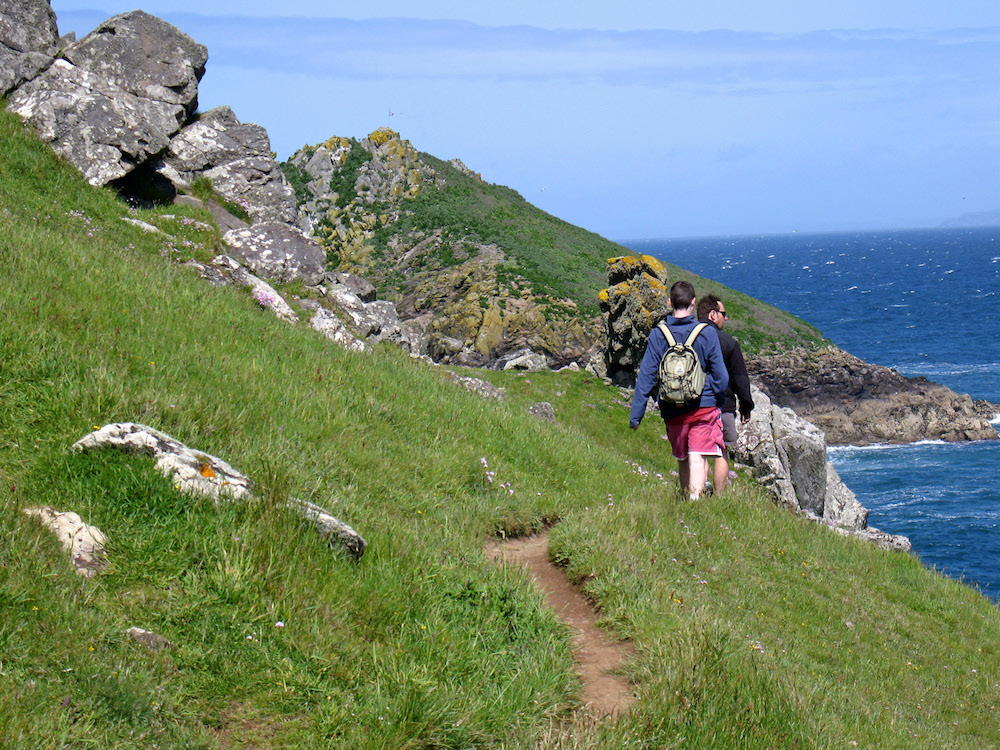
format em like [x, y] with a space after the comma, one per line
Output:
[858, 403]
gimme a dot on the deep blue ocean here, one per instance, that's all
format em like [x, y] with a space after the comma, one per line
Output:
[926, 302]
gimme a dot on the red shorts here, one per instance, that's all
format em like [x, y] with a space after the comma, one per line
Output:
[698, 431]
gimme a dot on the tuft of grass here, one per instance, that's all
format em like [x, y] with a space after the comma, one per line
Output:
[750, 627]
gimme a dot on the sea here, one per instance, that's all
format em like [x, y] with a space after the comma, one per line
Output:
[926, 302]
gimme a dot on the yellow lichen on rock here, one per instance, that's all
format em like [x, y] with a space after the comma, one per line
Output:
[380, 136]
[337, 142]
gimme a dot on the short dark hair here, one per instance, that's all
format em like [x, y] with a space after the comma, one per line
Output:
[708, 303]
[681, 295]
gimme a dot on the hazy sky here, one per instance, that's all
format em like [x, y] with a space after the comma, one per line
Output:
[635, 119]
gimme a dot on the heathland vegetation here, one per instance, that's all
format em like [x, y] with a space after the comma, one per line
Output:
[749, 628]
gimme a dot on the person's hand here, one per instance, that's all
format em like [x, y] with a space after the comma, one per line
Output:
[634, 426]
[745, 417]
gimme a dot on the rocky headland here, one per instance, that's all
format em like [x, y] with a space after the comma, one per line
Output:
[858, 403]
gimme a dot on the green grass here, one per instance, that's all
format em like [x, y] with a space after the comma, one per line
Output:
[751, 628]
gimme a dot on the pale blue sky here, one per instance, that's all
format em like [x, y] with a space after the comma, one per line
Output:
[635, 119]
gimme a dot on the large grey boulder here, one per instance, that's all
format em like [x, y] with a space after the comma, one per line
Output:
[237, 158]
[279, 252]
[119, 95]
[28, 40]
[147, 57]
[788, 455]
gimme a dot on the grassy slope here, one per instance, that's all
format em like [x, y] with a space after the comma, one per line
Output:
[751, 627]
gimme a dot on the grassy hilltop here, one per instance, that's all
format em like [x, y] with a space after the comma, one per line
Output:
[749, 627]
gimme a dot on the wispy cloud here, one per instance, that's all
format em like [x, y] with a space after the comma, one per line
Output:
[410, 49]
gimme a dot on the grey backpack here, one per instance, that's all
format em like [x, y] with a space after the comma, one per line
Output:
[682, 378]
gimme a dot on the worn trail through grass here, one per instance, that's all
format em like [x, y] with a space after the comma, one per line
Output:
[604, 691]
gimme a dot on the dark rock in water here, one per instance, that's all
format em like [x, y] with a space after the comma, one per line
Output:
[857, 403]
[28, 40]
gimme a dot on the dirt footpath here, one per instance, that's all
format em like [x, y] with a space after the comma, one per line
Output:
[604, 693]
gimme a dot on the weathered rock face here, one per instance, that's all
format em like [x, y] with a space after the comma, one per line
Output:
[237, 158]
[28, 41]
[788, 455]
[147, 57]
[857, 403]
[118, 96]
[636, 299]
[278, 251]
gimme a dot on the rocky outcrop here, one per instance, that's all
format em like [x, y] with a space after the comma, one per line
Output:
[117, 96]
[237, 159]
[857, 403]
[199, 473]
[29, 39]
[788, 456]
[448, 291]
[637, 297]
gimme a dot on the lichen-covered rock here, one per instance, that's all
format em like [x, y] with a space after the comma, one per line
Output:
[147, 57]
[279, 252]
[523, 359]
[85, 543]
[543, 410]
[480, 387]
[28, 41]
[119, 95]
[190, 470]
[326, 322]
[636, 299]
[237, 158]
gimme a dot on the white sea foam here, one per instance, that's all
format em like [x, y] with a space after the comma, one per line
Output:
[835, 449]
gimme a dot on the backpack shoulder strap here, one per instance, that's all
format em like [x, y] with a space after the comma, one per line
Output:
[694, 334]
[665, 330]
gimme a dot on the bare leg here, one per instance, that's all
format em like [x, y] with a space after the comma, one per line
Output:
[697, 474]
[720, 472]
[684, 473]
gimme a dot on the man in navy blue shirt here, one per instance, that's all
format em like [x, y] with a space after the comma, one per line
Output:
[694, 430]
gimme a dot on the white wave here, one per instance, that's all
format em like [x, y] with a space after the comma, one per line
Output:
[996, 420]
[885, 446]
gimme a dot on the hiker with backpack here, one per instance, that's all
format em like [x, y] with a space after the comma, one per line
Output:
[684, 368]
